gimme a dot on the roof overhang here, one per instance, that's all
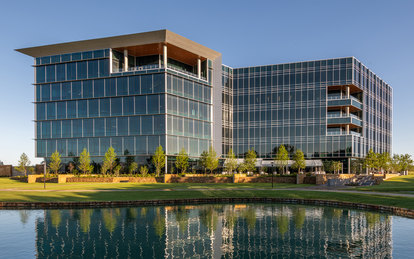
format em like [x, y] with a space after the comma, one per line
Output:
[137, 39]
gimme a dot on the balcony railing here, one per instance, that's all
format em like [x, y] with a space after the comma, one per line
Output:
[132, 69]
[177, 69]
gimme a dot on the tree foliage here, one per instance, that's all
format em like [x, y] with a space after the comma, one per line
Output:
[23, 164]
[109, 161]
[282, 158]
[337, 166]
[209, 160]
[132, 167]
[182, 161]
[371, 161]
[158, 160]
[55, 162]
[143, 170]
[299, 161]
[231, 163]
[85, 162]
[250, 160]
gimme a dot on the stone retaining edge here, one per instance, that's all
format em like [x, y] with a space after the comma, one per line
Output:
[98, 204]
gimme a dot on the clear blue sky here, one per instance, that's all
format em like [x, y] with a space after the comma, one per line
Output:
[247, 33]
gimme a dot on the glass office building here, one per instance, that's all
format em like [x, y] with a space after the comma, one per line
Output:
[136, 92]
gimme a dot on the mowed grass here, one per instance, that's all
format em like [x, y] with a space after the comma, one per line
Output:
[400, 184]
[20, 196]
[6, 183]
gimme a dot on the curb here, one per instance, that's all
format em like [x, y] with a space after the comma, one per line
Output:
[99, 204]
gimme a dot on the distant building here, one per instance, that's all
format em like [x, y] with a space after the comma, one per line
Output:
[135, 92]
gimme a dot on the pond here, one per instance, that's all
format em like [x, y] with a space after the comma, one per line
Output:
[205, 231]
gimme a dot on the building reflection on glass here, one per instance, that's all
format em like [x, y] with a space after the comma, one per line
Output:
[213, 231]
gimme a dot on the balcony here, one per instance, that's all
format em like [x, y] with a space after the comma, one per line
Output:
[344, 120]
[352, 102]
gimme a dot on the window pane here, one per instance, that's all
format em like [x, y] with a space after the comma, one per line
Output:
[110, 126]
[116, 106]
[146, 123]
[56, 129]
[122, 126]
[40, 74]
[61, 110]
[159, 124]
[82, 109]
[51, 111]
[45, 92]
[129, 146]
[55, 92]
[158, 83]
[141, 144]
[104, 68]
[46, 129]
[93, 108]
[146, 84]
[92, 68]
[66, 91]
[140, 105]
[134, 85]
[50, 73]
[99, 127]
[77, 128]
[87, 89]
[88, 128]
[128, 106]
[134, 125]
[98, 88]
[122, 86]
[94, 146]
[104, 107]
[110, 87]
[71, 71]
[76, 90]
[71, 109]
[60, 72]
[66, 128]
[152, 104]
[82, 70]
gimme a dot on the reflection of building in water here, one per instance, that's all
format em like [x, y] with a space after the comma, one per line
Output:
[213, 231]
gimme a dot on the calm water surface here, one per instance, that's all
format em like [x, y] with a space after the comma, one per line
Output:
[205, 231]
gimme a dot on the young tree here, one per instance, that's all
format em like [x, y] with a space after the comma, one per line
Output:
[395, 163]
[109, 160]
[231, 163]
[203, 160]
[371, 160]
[405, 162]
[210, 161]
[158, 160]
[282, 158]
[242, 168]
[384, 161]
[182, 161]
[299, 159]
[132, 167]
[85, 162]
[55, 165]
[24, 163]
[117, 169]
[250, 160]
[337, 166]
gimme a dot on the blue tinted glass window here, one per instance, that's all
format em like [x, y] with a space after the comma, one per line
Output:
[92, 68]
[45, 60]
[82, 70]
[159, 124]
[98, 88]
[141, 144]
[45, 92]
[82, 144]
[51, 147]
[60, 72]
[61, 147]
[72, 147]
[66, 57]
[66, 128]
[38, 61]
[128, 106]
[71, 109]
[61, 110]
[152, 104]
[122, 86]
[66, 91]
[51, 111]
[41, 148]
[146, 84]
[56, 129]
[87, 89]
[46, 129]
[71, 71]
[110, 87]
[103, 67]
[38, 93]
[110, 126]
[116, 106]
[94, 146]
[99, 127]
[146, 125]
[158, 83]
[98, 54]
[105, 144]
[153, 143]
[55, 92]
[129, 145]
[76, 56]
[87, 55]
[116, 143]
[134, 85]
[140, 105]
[40, 74]
[76, 90]
[123, 126]
[82, 108]
[134, 125]
[93, 106]
[104, 107]
[77, 128]
[88, 128]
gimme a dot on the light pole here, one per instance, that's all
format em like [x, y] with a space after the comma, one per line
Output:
[44, 173]
[272, 163]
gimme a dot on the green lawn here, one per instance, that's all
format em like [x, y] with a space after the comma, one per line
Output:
[400, 184]
[6, 183]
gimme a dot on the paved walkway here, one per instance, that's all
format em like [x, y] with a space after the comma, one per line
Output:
[312, 189]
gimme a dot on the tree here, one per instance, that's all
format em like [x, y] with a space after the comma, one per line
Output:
[299, 159]
[24, 162]
[405, 162]
[203, 160]
[182, 161]
[55, 165]
[117, 169]
[250, 160]
[85, 162]
[384, 161]
[395, 163]
[109, 161]
[328, 166]
[337, 166]
[210, 160]
[158, 160]
[371, 160]
[242, 168]
[132, 167]
[231, 163]
[143, 170]
[282, 158]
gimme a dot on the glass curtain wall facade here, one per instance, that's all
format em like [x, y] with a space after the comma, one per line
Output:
[334, 108]
[80, 104]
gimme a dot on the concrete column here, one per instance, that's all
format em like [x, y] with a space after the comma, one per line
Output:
[125, 60]
[348, 92]
[159, 60]
[165, 56]
[347, 111]
[110, 61]
[199, 68]
[347, 129]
